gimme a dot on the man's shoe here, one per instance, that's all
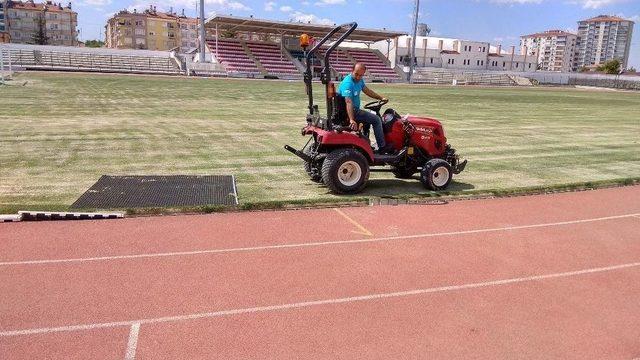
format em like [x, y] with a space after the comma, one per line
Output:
[387, 149]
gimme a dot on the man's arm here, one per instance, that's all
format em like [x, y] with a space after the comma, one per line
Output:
[351, 114]
[372, 93]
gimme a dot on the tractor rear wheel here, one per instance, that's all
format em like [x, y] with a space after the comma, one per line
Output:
[345, 171]
[436, 174]
[312, 169]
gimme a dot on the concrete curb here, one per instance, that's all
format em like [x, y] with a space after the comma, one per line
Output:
[10, 218]
[44, 215]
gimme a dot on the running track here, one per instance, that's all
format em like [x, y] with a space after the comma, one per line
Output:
[539, 277]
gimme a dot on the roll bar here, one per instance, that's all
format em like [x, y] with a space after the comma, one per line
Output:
[326, 72]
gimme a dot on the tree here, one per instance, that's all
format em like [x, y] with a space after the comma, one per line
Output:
[40, 36]
[228, 34]
[610, 67]
[94, 43]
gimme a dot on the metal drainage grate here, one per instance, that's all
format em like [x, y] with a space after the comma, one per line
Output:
[113, 192]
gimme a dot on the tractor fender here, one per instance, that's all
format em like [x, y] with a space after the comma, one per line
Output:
[344, 139]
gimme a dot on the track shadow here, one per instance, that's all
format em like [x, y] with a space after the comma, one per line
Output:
[398, 187]
[390, 187]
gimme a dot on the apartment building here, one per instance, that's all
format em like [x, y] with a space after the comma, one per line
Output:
[4, 34]
[188, 33]
[151, 30]
[555, 49]
[601, 39]
[22, 21]
[455, 54]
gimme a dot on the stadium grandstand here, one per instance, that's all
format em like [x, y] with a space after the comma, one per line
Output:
[264, 48]
[69, 58]
[257, 48]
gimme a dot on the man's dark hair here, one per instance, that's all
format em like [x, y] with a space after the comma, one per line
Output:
[359, 63]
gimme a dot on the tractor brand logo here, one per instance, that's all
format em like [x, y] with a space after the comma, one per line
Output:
[425, 130]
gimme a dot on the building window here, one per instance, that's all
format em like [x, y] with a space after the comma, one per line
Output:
[504, 64]
[431, 60]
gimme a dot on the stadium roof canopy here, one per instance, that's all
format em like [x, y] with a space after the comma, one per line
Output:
[260, 26]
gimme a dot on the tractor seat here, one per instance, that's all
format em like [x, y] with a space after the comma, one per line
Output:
[340, 116]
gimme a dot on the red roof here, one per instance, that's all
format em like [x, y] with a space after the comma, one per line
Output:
[601, 18]
[30, 5]
[549, 33]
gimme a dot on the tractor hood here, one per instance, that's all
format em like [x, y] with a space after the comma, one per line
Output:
[423, 121]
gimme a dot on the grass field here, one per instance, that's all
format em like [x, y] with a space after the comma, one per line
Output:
[60, 132]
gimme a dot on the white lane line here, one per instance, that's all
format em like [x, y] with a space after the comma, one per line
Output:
[305, 304]
[132, 345]
[312, 244]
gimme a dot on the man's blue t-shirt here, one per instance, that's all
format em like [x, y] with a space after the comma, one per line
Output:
[350, 89]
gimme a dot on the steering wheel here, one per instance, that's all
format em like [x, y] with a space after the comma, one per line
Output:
[376, 105]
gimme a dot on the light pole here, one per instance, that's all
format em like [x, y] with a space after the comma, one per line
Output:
[412, 51]
[202, 32]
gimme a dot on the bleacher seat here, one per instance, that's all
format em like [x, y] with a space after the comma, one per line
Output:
[272, 59]
[232, 55]
[80, 59]
[446, 76]
[375, 66]
[339, 60]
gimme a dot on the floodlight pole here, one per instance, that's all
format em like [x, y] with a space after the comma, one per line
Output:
[412, 52]
[202, 32]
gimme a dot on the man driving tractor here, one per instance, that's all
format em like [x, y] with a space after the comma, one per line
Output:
[350, 89]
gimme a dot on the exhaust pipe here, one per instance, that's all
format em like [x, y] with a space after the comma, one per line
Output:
[299, 153]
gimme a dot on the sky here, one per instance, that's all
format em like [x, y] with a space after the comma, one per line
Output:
[495, 21]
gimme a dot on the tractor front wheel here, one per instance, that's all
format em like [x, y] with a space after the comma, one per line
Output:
[436, 174]
[345, 171]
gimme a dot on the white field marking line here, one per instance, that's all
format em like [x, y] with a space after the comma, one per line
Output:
[363, 230]
[132, 345]
[305, 304]
[301, 245]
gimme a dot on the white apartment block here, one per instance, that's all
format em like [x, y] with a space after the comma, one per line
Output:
[601, 39]
[555, 49]
[455, 54]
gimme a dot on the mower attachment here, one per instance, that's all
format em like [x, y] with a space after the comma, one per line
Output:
[460, 167]
[298, 153]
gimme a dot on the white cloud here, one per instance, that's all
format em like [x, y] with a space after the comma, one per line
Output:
[286, 9]
[586, 4]
[635, 18]
[95, 3]
[210, 5]
[268, 6]
[309, 18]
[596, 4]
[329, 2]
[511, 2]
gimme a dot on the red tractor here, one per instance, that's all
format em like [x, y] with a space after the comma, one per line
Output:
[342, 159]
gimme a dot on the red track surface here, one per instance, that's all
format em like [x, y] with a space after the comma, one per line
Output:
[554, 276]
